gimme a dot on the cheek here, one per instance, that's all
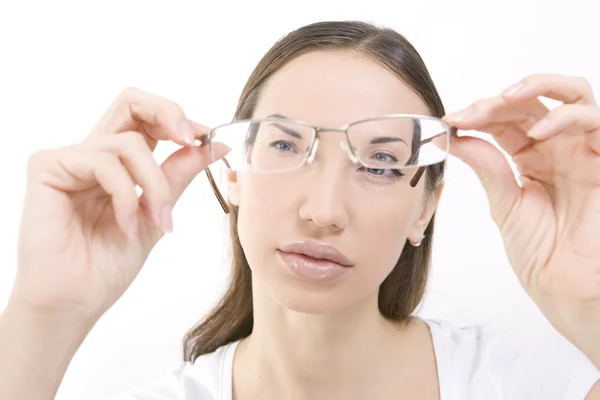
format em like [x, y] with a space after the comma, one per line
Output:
[382, 233]
[264, 198]
[263, 205]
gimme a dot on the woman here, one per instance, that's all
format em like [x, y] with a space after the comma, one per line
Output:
[332, 246]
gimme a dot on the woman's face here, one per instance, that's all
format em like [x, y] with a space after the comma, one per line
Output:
[332, 201]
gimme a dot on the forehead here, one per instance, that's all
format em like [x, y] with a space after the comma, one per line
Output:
[332, 88]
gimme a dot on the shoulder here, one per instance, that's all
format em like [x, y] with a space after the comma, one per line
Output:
[207, 378]
[482, 360]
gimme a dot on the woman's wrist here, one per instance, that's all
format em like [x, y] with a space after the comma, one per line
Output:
[36, 348]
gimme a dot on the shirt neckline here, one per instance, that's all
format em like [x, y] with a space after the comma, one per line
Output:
[440, 349]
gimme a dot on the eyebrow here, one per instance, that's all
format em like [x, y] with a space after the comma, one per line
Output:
[377, 140]
[277, 116]
[387, 139]
[285, 129]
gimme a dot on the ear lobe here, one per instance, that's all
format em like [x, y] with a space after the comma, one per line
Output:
[233, 188]
[426, 214]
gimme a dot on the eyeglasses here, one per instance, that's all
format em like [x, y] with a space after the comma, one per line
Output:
[383, 145]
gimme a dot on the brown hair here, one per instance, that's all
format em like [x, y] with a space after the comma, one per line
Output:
[403, 289]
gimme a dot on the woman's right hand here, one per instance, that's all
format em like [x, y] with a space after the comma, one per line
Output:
[85, 233]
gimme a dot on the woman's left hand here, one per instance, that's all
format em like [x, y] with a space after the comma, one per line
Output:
[551, 225]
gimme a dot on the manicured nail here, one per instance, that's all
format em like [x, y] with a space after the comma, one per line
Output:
[539, 129]
[167, 218]
[187, 131]
[514, 89]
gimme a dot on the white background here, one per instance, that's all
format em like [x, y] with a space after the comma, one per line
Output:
[62, 63]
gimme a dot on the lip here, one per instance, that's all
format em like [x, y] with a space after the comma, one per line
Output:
[318, 251]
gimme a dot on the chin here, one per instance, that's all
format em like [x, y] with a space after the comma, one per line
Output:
[304, 297]
[310, 303]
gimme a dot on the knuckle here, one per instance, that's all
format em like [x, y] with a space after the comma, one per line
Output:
[168, 110]
[129, 92]
[121, 143]
[132, 94]
[175, 108]
[134, 139]
[107, 160]
[110, 170]
[531, 79]
[126, 193]
[584, 84]
[556, 115]
[38, 156]
[38, 159]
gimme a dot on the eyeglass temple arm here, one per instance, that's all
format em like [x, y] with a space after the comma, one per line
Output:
[415, 180]
[216, 190]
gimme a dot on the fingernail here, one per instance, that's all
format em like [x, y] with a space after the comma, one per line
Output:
[187, 131]
[167, 218]
[538, 129]
[514, 89]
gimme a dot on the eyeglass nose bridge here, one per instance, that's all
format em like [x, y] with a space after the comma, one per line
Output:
[344, 143]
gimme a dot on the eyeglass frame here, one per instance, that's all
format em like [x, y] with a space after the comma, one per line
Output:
[207, 139]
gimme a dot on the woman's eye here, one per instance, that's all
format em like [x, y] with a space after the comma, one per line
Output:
[385, 172]
[383, 157]
[377, 171]
[283, 146]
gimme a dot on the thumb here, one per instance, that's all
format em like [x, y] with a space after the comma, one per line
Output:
[181, 167]
[493, 171]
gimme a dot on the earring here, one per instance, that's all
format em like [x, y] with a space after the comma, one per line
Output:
[419, 242]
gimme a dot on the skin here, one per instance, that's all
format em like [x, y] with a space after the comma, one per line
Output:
[85, 235]
[303, 330]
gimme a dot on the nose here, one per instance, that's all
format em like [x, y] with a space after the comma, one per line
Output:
[325, 201]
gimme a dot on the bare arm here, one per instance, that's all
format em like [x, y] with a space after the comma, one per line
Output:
[35, 352]
[594, 393]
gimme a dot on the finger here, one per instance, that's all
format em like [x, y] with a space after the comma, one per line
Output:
[496, 110]
[114, 179]
[568, 89]
[493, 171]
[508, 123]
[158, 118]
[510, 136]
[185, 164]
[75, 169]
[568, 118]
[137, 157]
[594, 142]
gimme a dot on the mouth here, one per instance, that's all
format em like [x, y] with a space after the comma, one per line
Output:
[314, 261]
[317, 251]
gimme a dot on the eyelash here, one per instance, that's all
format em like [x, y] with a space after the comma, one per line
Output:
[396, 173]
[280, 142]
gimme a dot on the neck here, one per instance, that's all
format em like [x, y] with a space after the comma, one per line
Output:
[352, 353]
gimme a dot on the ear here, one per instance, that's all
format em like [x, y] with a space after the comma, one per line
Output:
[233, 188]
[429, 206]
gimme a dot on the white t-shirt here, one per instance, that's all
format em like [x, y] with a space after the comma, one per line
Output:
[473, 363]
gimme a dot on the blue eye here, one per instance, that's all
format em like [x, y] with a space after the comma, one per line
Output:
[385, 172]
[283, 146]
[385, 157]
